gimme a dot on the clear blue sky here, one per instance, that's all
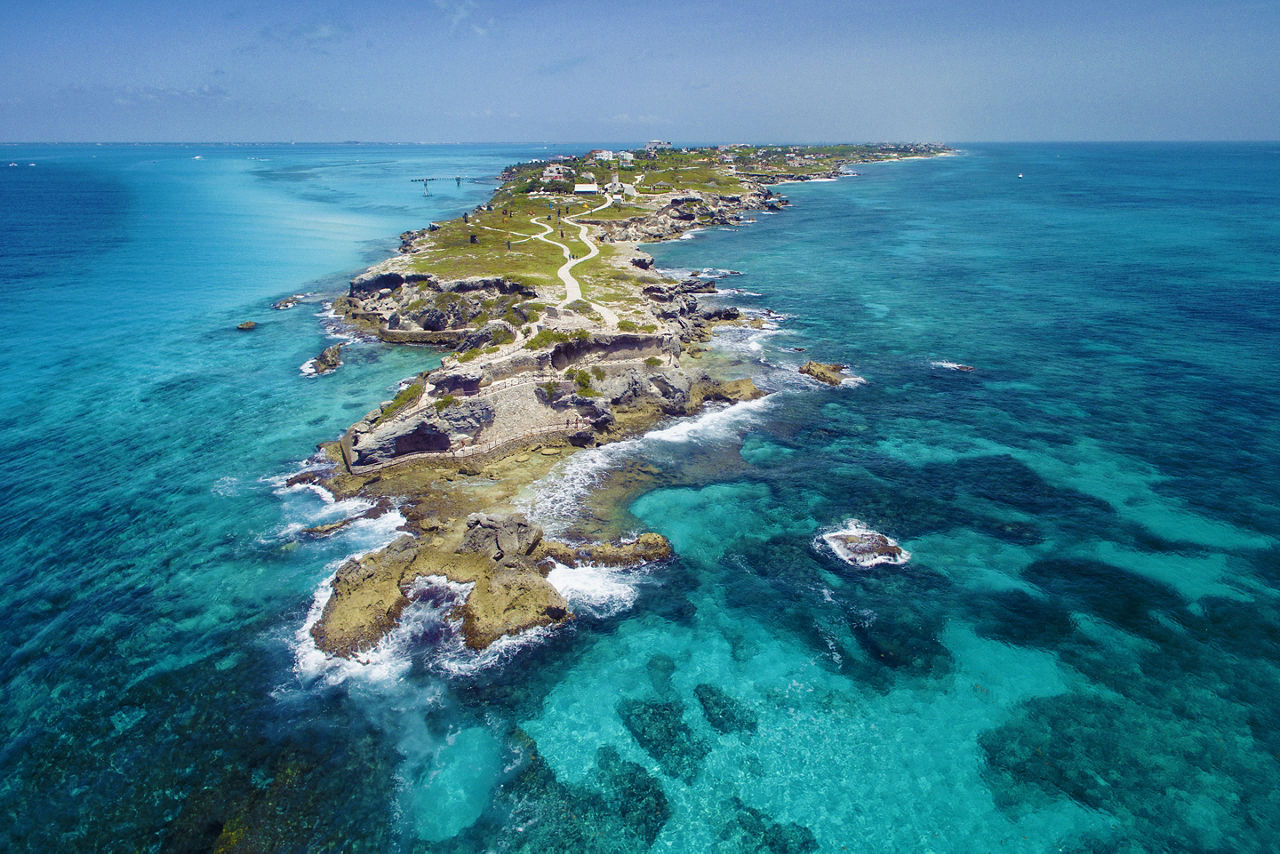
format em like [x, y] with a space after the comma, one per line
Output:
[570, 70]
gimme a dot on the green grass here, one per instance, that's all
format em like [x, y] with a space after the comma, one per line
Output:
[545, 338]
[618, 212]
[581, 306]
[451, 254]
[406, 397]
[582, 380]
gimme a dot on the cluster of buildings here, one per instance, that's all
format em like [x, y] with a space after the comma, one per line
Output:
[585, 183]
[624, 159]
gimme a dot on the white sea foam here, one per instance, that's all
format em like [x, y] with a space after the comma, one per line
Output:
[457, 659]
[601, 591]
[375, 532]
[226, 486]
[714, 424]
[554, 501]
[386, 662]
[325, 495]
[858, 545]
[674, 272]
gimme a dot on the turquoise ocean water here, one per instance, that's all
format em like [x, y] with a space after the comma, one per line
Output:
[1082, 654]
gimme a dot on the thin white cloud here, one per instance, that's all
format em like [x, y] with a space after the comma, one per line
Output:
[457, 10]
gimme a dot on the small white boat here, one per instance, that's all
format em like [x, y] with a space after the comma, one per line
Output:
[1019, 174]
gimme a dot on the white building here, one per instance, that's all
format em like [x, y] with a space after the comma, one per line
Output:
[556, 172]
[626, 160]
[657, 145]
[586, 189]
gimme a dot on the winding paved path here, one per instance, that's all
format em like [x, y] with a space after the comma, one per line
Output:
[572, 290]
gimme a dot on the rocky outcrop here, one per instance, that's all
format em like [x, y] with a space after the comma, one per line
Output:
[411, 240]
[512, 596]
[670, 293]
[508, 601]
[612, 346]
[829, 374]
[721, 314]
[729, 391]
[381, 278]
[367, 599]
[370, 593]
[406, 307]
[371, 442]
[500, 537]
[247, 326]
[329, 359]
[647, 548]
[680, 212]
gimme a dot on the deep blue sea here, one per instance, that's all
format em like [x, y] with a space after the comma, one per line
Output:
[1082, 654]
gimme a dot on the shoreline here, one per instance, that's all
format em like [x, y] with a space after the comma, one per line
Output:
[549, 358]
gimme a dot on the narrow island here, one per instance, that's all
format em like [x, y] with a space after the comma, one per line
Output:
[562, 336]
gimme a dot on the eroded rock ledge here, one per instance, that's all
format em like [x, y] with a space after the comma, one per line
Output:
[502, 556]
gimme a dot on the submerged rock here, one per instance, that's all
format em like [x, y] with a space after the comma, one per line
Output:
[660, 729]
[724, 713]
[907, 645]
[247, 326]
[620, 806]
[754, 830]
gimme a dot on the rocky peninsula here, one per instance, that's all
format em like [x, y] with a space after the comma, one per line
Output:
[563, 336]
